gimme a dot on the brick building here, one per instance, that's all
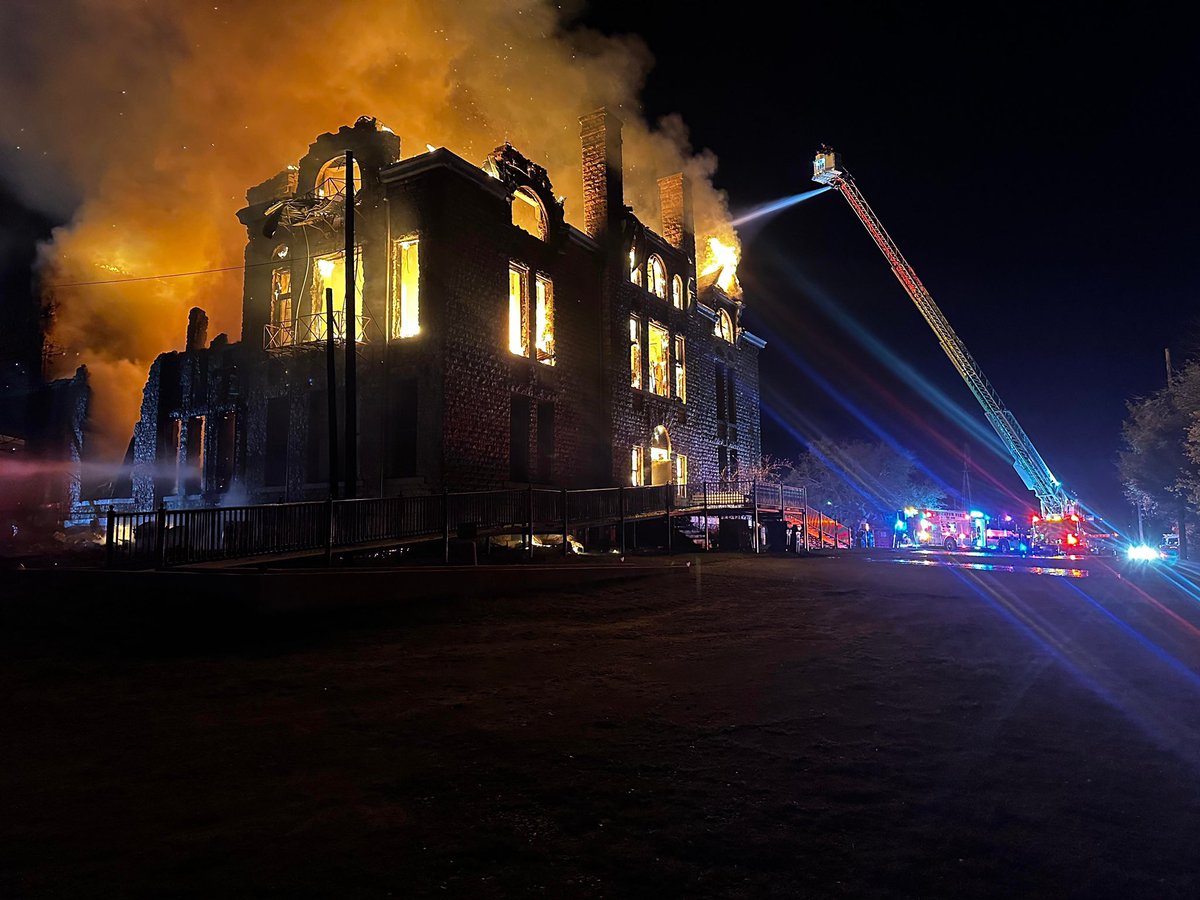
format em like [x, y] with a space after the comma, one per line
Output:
[497, 344]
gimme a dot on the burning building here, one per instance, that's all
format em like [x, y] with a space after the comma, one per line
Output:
[496, 343]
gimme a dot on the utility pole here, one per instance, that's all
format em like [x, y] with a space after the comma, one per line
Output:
[351, 339]
[966, 479]
[1183, 540]
[331, 394]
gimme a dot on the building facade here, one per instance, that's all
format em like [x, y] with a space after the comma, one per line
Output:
[497, 345]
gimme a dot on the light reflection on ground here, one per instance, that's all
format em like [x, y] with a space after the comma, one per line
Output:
[992, 567]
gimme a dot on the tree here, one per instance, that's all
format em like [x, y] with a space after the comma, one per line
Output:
[1160, 463]
[851, 480]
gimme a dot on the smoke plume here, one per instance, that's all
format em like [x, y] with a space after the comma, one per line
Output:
[156, 116]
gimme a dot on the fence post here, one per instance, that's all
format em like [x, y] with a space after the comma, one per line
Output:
[109, 545]
[706, 541]
[754, 494]
[329, 531]
[446, 526]
[781, 498]
[160, 536]
[529, 515]
[621, 504]
[804, 516]
[566, 523]
[670, 491]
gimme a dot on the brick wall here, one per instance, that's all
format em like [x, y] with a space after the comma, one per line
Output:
[464, 374]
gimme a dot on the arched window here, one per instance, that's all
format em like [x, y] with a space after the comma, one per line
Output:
[331, 180]
[677, 292]
[724, 328]
[656, 276]
[635, 271]
[528, 214]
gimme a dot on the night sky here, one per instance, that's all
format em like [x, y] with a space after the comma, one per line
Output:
[1034, 165]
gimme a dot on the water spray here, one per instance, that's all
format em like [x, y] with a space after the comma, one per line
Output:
[768, 209]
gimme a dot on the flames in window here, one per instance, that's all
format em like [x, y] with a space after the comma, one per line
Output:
[656, 277]
[518, 310]
[635, 352]
[543, 320]
[405, 288]
[660, 360]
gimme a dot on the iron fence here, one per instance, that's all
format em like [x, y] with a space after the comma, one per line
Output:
[187, 536]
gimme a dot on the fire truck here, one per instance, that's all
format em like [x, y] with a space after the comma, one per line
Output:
[1070, 534]
[829, 170]
[958, 529]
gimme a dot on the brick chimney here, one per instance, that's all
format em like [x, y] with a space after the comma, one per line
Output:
[603, 188]
[675, 200]
[197, 331]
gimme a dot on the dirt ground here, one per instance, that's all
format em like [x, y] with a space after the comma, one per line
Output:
[757, 728]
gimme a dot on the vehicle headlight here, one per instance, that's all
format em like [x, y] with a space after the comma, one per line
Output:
[1142, 553]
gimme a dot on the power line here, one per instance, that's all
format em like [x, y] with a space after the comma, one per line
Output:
[273, 262]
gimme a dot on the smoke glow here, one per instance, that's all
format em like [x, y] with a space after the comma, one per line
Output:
[153, 119]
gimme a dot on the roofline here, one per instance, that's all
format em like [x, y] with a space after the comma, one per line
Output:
[441, 158]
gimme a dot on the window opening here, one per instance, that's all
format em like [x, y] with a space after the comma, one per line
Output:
[528, 214]
[329, 271]
[545, 442]
[518, 438]
[544, 320]
[660, 360]
[724, 326]
[635, 352]
[680, 369]
[636, 467]
[656, 277]
[660, 456]
[331, 180]
[193, 482]
[405, 288]
[518, 310]
[281, 303]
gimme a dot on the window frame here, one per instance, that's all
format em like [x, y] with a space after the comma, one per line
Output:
[657, 282]
[518, 310]
[724, 326]
[637, 466]
[660, 387]
[397, 324]
[636, 379]
[679, 367]
[542, 343]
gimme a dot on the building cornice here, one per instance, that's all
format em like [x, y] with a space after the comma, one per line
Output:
[441, 158]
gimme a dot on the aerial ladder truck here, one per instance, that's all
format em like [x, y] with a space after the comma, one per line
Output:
[1057, 505]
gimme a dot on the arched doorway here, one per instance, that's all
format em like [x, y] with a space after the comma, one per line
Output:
[660, 456]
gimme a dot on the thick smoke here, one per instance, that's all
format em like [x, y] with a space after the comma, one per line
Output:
[158, 115]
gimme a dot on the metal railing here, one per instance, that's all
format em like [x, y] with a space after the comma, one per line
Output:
[310, 328]
[171, 537]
